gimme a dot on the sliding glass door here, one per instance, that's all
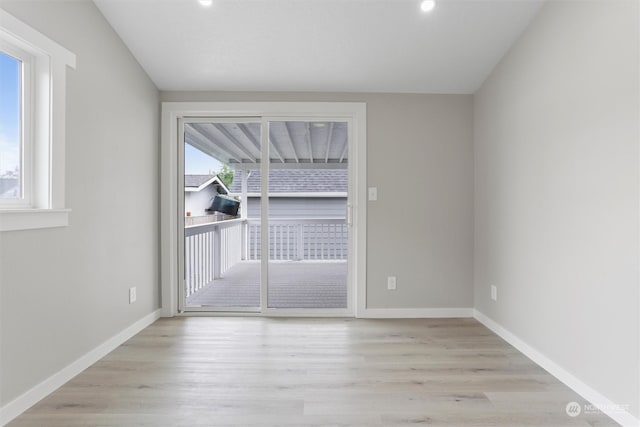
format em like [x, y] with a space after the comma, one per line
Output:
[269, 237]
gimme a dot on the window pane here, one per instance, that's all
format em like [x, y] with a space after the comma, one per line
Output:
[10, 127]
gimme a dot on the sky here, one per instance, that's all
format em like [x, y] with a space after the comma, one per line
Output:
[10, 70]
[198, 163]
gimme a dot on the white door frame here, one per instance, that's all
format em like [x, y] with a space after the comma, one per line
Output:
[172, 112]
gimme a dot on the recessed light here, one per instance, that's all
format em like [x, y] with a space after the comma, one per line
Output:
[205, 3]
[427, 5]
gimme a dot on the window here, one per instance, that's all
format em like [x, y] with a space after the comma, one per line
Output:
[14, 172]
[32, 133]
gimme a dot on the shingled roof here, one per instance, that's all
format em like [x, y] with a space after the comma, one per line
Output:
[295, 181]
[196, 182]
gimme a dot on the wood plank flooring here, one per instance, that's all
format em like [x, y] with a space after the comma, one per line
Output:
[215, 371]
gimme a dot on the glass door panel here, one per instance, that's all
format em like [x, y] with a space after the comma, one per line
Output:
[222, 215]
[308, 196]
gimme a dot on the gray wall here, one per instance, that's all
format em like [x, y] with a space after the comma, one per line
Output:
[65, 290]
[300, 207]
[419, 152]
[556, 194]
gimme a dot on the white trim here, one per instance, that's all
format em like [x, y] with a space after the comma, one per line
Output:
[264, 214]
[290, 165]
[570, 380]
[48, 113]
[23, 402]
[331, 111]
[31, 219]
[271, 312]
[336, 313]
[179, 230]
[318, 194]
[415, 313]
[28, 38]
[357, 206]
[168, 211]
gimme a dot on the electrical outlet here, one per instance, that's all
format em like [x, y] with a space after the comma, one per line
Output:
[391, 283]
[132, 295]
[494, 293]
[373, 193]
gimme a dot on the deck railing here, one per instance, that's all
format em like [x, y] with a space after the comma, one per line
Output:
[297, 239]
[211, 249]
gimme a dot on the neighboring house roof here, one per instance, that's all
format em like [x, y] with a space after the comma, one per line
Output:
[291, 181]
[198, 182]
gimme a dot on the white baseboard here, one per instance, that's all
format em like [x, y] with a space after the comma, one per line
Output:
[23, 402]
[413, 313]
[591, 395]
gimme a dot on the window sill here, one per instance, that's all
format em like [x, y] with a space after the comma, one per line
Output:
[30, 219]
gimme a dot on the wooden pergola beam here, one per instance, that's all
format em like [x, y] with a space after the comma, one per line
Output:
[203, 142]
[237, 144]
[290, 139]
[329, 138]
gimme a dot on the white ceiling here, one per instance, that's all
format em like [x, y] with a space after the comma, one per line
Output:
[319, 45]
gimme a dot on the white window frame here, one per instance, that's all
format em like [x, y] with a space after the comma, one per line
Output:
[44, 115]
[26, 126]
[174, 112]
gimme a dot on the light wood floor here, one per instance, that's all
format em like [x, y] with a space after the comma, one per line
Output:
[207, 371]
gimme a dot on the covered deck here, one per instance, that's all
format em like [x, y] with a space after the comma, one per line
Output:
[292, 284]
[307, 252]
[307, 264]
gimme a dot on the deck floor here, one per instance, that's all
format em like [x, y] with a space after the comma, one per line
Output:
[292, 284]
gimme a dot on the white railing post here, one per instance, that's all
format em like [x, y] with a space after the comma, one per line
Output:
[300, 242]
[187, 265]
[244, 212]
[244, 236]
[217, 253]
